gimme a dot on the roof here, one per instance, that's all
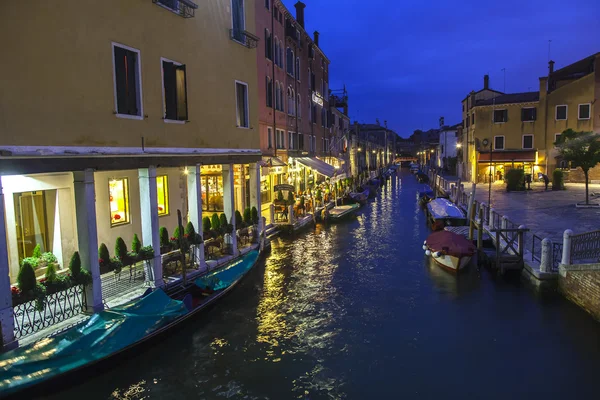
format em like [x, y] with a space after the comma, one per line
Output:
[287, 12]
[511, 98]
[479, 91]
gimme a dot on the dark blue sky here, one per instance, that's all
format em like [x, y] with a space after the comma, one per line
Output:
[410, 62]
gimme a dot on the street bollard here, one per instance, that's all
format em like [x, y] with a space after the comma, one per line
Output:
[546, 257]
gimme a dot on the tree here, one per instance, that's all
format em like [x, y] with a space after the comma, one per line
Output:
[582, 149]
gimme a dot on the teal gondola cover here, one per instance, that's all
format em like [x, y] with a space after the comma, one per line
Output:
[101, 335]
[223, 278]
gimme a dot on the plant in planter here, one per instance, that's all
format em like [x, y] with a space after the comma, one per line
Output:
[78, 275]
[165, 245]
[247, 217]
[215, 224]
[558, 180]
[136, 245]
[26, 277]
[104, 258]
[254, 215]
[49, 258]
[223, 222]
[515, 179]
[205, 224]
[37, 251]
[190, 231]
[239, 221]
[121, 251]
[116, 265]
[33, 261]
[51, 276]
[146, 253]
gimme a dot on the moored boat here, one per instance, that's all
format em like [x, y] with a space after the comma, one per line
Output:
[361, 195]
[425, 195]
[340, 212]
[449, 250]
[39, 367]
[442, 212]
[422, 177]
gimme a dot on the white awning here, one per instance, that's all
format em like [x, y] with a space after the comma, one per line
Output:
[320, 166]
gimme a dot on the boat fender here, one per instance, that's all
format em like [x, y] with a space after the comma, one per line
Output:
[425, 242]
[424, 247]
[427, 253]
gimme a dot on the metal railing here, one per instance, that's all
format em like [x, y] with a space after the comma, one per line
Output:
[557, 250]
[130, 277]
[58, 307]
[536, 248]
[586, 247]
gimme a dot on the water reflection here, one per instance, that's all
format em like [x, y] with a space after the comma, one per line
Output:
[452, 284]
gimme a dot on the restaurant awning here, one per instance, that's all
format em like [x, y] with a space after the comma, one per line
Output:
[508, 156]
[320, 166]
[271, 161]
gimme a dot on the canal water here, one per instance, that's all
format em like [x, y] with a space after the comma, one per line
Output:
[354, 311]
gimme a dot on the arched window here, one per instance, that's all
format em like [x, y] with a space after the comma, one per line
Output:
[269, 92]
[299, 109]
[276, 55]
[290, 61]
[297, 68]
[290, 101]
[277, 95]
[268, 45]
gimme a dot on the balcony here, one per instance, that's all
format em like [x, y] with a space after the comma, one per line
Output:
[183, 8]
[244, 38]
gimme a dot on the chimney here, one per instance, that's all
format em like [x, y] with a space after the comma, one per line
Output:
[300, 13]
[543, 87]
[550, 68]
[316, 38]
[486, 81]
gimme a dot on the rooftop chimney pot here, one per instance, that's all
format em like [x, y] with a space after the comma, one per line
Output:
[300, 6]
[316, 38]
[486, 81]
[550, 67]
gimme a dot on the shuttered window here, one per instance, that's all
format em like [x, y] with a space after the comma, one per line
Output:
[175, 90]
[241, 93]
[127, 81]
[528, 114]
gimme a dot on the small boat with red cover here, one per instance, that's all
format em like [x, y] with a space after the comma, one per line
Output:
[449, 250]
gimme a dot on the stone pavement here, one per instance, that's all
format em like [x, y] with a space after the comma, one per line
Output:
[545, 213]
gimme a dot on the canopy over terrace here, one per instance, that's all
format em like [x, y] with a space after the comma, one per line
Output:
[319, 166]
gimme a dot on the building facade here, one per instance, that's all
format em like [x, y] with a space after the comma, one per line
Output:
[110, 129]
[518, 130]
[294, 118]
[447, 148]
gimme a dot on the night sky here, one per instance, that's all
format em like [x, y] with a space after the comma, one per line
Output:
[410, 62]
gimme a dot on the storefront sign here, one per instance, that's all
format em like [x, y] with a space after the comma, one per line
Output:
[317, 99]
[283, 186]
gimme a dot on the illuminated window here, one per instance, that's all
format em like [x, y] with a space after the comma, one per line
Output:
[118, 190]
[162, 192]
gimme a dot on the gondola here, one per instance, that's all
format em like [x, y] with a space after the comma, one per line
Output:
[41, 367]
[340, 213]
[360, 196]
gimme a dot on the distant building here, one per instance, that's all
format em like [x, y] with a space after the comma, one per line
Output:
[447, 148]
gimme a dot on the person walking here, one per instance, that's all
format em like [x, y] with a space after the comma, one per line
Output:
[546, 181]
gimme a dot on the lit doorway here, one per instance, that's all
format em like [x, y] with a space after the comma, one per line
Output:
[34, 227]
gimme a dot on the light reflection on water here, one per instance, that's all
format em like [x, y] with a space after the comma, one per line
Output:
[355, 311]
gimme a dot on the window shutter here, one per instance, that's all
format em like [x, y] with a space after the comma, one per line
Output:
[522, 114]
[534, 114]
[131, 83]
[170, 90]
[181, 90]
[121, 79]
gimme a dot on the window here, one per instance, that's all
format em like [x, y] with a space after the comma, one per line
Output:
[270, 137]
[561, 112]
[291, 140]
[314, 140]
[33, 227]
[280, 54]
[298, 107]
[584, 111]
[162, 193]
[172, 5]
[322, 88]
[500, 116]
[241, 95]
[174, 91]
[118, 191]
[269, 92]
[290, 99]
[528, 114]
[276, 51]
[314, 113]
[498, 142]
[239, 20]
[528, 141]
[268, 44]
[267, 4]
[280, 139]
[128, 85]
[310, 110]
[472, 119]
[290, 61]
[298, 68]
[300, 141]
[323, 117]
[556, 137]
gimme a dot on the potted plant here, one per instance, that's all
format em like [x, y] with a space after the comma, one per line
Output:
[223, 222]
[248, 217]
[121, 251]
[165, 245]
[104, 258]
[146, 253]
[136, 246]
[78, 275]
[254, 215]
[239, 221]
[205, 224]
[215, 223]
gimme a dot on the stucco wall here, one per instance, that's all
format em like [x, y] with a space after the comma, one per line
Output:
[62, 92]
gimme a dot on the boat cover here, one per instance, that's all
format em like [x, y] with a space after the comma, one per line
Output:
[340, 211]
[223, 278]
[444, 208]
[426, 191]
[450, 243]
[99, 336]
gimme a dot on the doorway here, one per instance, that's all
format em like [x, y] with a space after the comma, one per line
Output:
[34, 222]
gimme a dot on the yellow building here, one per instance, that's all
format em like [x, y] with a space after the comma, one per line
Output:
[117, 115]
[518, 130]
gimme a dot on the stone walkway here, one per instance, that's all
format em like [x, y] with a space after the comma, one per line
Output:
[545, 213]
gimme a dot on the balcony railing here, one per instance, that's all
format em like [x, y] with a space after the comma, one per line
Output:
[244, 38]
[183, 8]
